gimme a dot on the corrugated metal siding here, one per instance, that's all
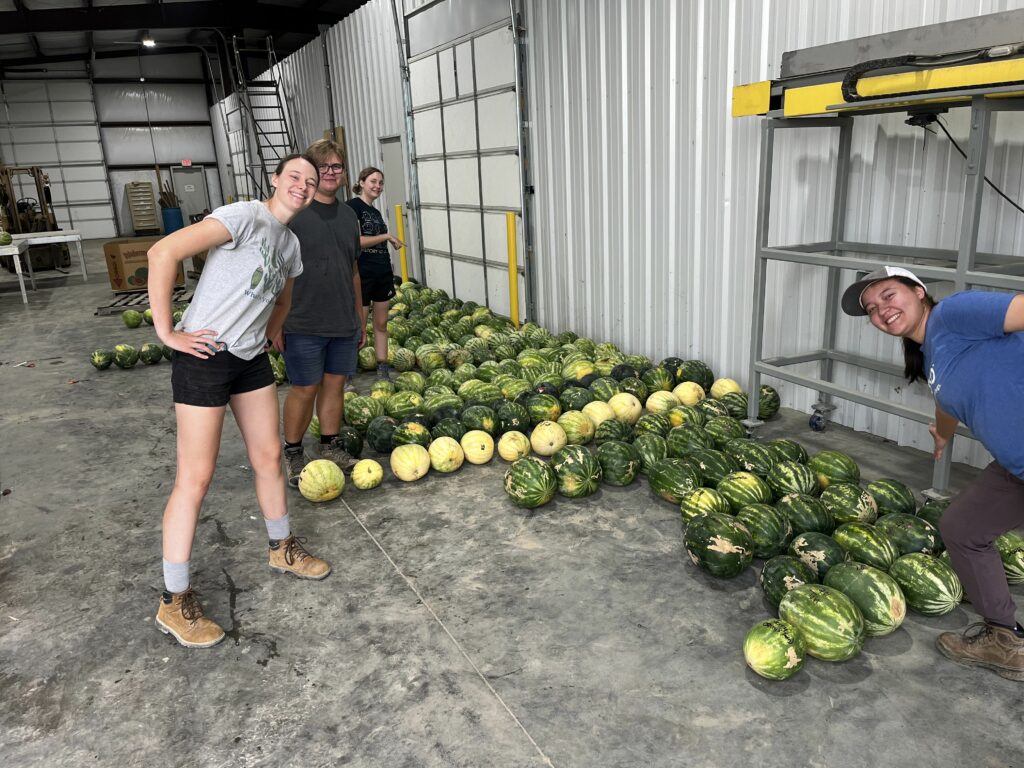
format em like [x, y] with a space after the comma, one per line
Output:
[303, 82]
[646, 187]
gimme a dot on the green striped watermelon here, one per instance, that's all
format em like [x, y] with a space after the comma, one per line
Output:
[818, 551]
[605, 388]
[751, 455]
[512, 417]
[619, 461]
[722, 429]
[685, 415]
[657, 379]
[713, 465]
[783, 573]
[651, 448]
[530, 482]
[849, 503]
[613, 429]
[866, 544]
[656, 423]
[774, 649]
[450, 427]
[480, 417]
[379, 434]
[712, 409]
[931, 511]
[874, 592]
[743, 488]
[574, 398]
[909, 533]
[930, 585]
[769, 528]
[736, 403]
[696, 371]
[360, 410]
[787, 450]
[834, 467]
[684, 440]
[829, 622]
[719, 544]
[768, 402]
[701, 501]
[892, 496]
[411, 432]
[579, 473]
[672, 479]
[788, 477]
[543, 408]
[579, 429]
[1011, 549]
[403, 404]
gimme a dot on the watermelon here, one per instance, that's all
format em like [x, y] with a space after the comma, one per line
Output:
[321, 480]
[446, 454]
[513, 445]
[931, 512]
[721, 387]
[410, 381]
[672, 479]
[770, 529]
[410, 432]
[367, 474]
[818, 551]
[655, 423]
[874, 592]
[599, 412]
[351, 441]
[1011, 550]
[688, 392]
[892, 496]
[448, 427]
[379, 434]
[547, 438]
[701, 501]
[438, 400]
[605, 388]
[131, 318]
[530, 482]
[806, 513]
[695, 370]
[774, 649]
[651, 448]
[751, 455]
[626, 407]
[866, 544]
[657, 379]
[743, 488]
[480, 417]
[781, 574]
[684, 440]
[579, 472]
[125, 356]
[834, 467]
[478, 446]
[102, 359]
[360, 410]
[635, 387]
[719, 544]
[661, 402]
[410, 462]
[736, 403]
[169, 355]
[574, 398]
[849, 503]
[623, 371]
[543, 408]
[713, 465]
[788, 477]
[685, 416]
[613, 429]
[829, 622]
[512, 416]
[787, 450]
[579, 429]
[768, 402]
[722, 429]
[5, 237]
[712, 408]
[619, 461]
[909, 533]
[930, 585]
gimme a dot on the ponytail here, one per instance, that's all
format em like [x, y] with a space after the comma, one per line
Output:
[913, 355]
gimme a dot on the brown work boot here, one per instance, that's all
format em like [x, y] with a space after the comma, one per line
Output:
[335, 451]
[295, 458]
[181, 615]
[289, 556]
[986, 645]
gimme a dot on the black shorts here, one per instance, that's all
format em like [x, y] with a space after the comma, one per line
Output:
[378, 284]
[211, 382]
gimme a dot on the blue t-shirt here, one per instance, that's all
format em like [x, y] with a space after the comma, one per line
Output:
[976, 371]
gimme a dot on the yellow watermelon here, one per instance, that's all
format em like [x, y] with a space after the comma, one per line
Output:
[410, 462]
[626, 407]
[661, 401]
[321, 480]
[722, 387]
[446, 454]
[513, 445]
[478, 446]
[547, 438]
[598, 411]
[689, 393]
[367, 474]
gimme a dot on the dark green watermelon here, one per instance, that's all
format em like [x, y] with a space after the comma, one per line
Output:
[672, 478]
[909, 533]
[806, 513]
[892, 496]
[719, 544]
[684, 440]
[651, 448]
[818, 551]
[379, 434]
[769, 528]
[713, 465]
[781, 574]
[579, 472]
[613, 430]
[619, 461]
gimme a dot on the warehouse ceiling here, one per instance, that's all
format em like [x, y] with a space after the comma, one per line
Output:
[34, 33]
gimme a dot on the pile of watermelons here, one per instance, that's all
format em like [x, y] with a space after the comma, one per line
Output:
[127, 355]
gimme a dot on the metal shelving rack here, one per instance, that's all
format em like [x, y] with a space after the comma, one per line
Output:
[963, 266]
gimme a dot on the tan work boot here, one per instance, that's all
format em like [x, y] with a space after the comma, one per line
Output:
[289, 556]
[181, 615]
[986, 645]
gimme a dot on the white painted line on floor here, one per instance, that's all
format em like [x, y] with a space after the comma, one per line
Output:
[425, 604]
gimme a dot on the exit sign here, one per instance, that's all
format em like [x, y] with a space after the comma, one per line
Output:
[186, 163]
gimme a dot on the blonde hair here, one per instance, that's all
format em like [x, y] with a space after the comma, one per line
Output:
[322, 149]
[364, 174]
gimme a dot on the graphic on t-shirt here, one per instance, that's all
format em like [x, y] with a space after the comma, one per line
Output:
[270, 274]
[257, 275]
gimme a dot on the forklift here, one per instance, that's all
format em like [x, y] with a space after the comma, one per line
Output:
[22, 215]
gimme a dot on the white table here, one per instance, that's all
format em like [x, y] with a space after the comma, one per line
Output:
[21, 243]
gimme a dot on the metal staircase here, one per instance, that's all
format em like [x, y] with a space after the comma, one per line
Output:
[258, 128]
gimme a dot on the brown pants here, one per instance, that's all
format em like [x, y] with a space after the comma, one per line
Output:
[993, 504]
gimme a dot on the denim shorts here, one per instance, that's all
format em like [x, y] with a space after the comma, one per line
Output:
[212, 382]
[307, 358]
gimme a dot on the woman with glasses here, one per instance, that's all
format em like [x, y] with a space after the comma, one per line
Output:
[378, 280]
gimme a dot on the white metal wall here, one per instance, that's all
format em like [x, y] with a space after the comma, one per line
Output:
[646, 187]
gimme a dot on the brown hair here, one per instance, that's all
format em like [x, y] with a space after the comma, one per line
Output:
[322, 149]
[297, 156]
[913, 357]
[364, 174]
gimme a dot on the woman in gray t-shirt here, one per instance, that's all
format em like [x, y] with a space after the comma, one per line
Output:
[242, 298]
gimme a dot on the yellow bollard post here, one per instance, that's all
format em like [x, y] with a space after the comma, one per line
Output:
[513, 269]
[400, 226]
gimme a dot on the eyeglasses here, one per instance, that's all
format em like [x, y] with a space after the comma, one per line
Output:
[335, 168]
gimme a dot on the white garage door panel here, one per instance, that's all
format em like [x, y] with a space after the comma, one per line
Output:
[84, 173]
[464, 67]
[175, 142]
[427, 125]
[496, 237]
[156, 103]
[79, 190]
[497, 290]
[423, 81]
[97, 229]
[498, 121]
[128, 146]
[24, 91]
[501, 181]
[463, 181]
[81, 152]
[431, 176]
[469, 283]
[466, 237]
[495, 59]
[77, 132]
[37, 154]
[439, 272]
[460, 127]
[446, 61]
[435, 229]
[30, 113]
[70, 91]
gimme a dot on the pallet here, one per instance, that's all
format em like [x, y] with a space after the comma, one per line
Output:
[140, 301]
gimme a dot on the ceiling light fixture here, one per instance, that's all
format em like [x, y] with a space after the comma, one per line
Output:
[147, 40]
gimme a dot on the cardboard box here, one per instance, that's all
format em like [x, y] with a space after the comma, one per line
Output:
[128, 264]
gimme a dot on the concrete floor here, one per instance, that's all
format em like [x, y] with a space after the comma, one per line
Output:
[456, 629]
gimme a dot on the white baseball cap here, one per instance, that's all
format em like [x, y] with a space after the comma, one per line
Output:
[852, 296]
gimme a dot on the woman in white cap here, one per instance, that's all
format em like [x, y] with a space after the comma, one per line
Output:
[970, 350]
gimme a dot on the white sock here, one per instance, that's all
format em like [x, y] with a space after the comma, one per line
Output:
[176, 576]
[278, 529]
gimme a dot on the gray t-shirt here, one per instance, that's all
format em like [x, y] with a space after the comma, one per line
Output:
[242, 278]
[323, 299]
